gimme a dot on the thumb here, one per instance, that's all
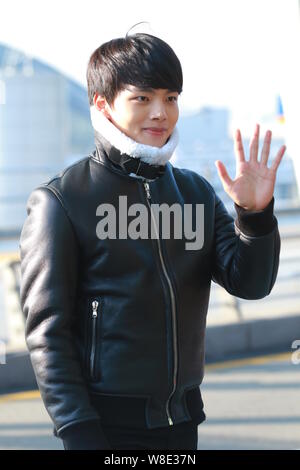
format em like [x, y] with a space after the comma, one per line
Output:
[223, 175]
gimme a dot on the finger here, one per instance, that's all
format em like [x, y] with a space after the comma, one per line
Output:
[266, 148]
[238, 146]
[278, 158]
[225, 178]
[254, 144]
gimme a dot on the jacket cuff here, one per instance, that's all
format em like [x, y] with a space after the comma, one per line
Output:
[86, 435]
[256, 223]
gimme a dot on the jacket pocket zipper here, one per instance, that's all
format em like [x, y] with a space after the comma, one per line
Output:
[95, 305]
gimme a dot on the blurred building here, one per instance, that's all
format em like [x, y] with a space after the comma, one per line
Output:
[44, 126]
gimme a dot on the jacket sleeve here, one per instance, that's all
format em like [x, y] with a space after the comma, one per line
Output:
[49, 272]
[246, 250]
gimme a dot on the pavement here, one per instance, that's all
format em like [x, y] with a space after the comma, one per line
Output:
[250, 404]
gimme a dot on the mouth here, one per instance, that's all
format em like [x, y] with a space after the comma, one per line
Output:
[155, 131]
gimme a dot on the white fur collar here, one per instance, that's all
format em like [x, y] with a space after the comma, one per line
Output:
[147, 153]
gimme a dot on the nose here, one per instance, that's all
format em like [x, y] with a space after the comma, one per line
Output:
[158, 111]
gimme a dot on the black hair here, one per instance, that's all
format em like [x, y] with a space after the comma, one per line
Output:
[140, 59]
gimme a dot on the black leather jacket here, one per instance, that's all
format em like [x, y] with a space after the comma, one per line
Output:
[124, 317]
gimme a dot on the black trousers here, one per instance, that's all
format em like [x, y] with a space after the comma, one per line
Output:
[176, 437]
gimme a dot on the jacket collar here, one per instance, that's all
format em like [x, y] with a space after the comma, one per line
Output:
[137, 160]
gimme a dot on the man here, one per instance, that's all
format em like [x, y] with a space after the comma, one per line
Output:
[115, 314]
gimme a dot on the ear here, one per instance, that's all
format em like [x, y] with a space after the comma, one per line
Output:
[101, 104]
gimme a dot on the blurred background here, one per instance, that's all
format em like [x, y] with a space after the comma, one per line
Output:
[240, 67]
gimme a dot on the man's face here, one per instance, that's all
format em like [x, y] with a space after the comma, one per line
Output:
[148, 116]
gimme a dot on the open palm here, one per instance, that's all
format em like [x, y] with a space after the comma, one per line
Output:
[253, 186]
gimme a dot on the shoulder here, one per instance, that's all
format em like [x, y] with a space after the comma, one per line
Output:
[63, 186]
[192, 179]
[71, 178]
[71, 173]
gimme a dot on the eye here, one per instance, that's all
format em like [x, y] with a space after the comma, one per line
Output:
[143, 98]
[173, 98]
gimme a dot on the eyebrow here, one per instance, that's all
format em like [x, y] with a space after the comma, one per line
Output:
[149, 89]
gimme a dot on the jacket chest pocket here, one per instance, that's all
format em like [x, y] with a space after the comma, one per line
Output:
[93, 331]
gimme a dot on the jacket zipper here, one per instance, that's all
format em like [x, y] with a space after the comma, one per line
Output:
[95, 304]
[147, 189]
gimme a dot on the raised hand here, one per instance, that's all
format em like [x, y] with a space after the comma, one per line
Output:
[254, 182]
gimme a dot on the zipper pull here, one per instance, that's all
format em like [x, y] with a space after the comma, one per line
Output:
[95, 307]
[147, 188]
